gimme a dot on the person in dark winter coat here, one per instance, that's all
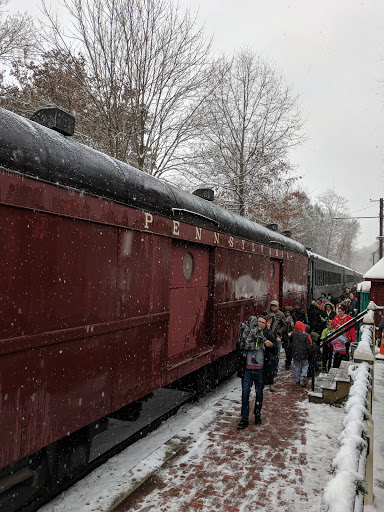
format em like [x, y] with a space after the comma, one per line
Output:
[345, 294]
[314, 316]
[328, 313]
[327, 346]
[287, 336]
[301, 352]
[314, 356]
[278, 328]
[254, 352]
[353, 306]
[298, 313]
[269, 361]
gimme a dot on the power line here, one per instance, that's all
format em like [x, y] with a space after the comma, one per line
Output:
[366, 208]
[380, 238]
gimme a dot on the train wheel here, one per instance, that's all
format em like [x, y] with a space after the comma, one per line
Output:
[69, 456]
[204, 380]
[23, 483]
[225, 366]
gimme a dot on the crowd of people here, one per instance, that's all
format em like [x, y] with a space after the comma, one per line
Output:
[305, 339]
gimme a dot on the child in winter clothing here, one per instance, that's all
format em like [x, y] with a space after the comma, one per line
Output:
[327, 346]
[301, 352]
[340, 351]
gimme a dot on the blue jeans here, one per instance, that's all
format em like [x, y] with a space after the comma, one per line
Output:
[250, 377]
[276, 361]
[300, 369]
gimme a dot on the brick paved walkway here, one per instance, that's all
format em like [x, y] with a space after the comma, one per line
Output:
[262, 468]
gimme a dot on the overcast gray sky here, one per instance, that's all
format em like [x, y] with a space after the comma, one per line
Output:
[332, 53]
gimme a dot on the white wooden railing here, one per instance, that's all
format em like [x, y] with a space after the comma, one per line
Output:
[351, 487]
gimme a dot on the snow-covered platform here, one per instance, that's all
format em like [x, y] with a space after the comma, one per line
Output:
[197, 460]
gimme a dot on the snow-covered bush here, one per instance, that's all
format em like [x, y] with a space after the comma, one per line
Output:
[348, 481]
[366, 341]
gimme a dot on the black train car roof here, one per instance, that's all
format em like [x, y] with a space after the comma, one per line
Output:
[42, 153]
[313, 256]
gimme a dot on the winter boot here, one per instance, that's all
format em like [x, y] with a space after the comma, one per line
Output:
[303, 382]
[242, 424]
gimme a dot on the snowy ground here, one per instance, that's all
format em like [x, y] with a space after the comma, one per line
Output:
[99, 490]
[378, 446]
[107, 485]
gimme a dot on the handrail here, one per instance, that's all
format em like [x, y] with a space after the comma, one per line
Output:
[345, 327]
[337, 332]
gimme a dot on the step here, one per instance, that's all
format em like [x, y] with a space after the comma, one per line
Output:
[332, 387]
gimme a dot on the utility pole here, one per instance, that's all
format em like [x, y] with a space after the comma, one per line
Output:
[381, 229]
[380, 238]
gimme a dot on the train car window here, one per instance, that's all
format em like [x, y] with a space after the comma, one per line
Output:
[188, 265]
[272, 270]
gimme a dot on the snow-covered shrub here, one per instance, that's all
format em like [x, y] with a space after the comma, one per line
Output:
[340, 493]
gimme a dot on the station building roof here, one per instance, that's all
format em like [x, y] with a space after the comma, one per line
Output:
[376, 272]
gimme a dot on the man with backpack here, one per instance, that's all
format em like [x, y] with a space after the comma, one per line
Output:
[254, 352]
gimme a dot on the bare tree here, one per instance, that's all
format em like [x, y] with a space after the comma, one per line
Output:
[147, 65]
[333, 206]
[17, 34]
[35, 85]
[250, 123]
[319, 225]
[340, 232]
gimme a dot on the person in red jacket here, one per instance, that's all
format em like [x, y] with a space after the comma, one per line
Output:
[340, 319]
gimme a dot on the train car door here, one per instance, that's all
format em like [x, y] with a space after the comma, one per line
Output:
[274, 280]
[188, 304]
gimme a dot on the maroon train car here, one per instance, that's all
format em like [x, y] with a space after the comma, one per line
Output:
[112, 284]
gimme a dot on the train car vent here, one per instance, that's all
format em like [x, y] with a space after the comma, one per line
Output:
[272, 227]
[287, 233]
[205, 193]
[55, 119]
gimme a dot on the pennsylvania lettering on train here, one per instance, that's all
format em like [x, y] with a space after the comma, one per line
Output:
[199, 234]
